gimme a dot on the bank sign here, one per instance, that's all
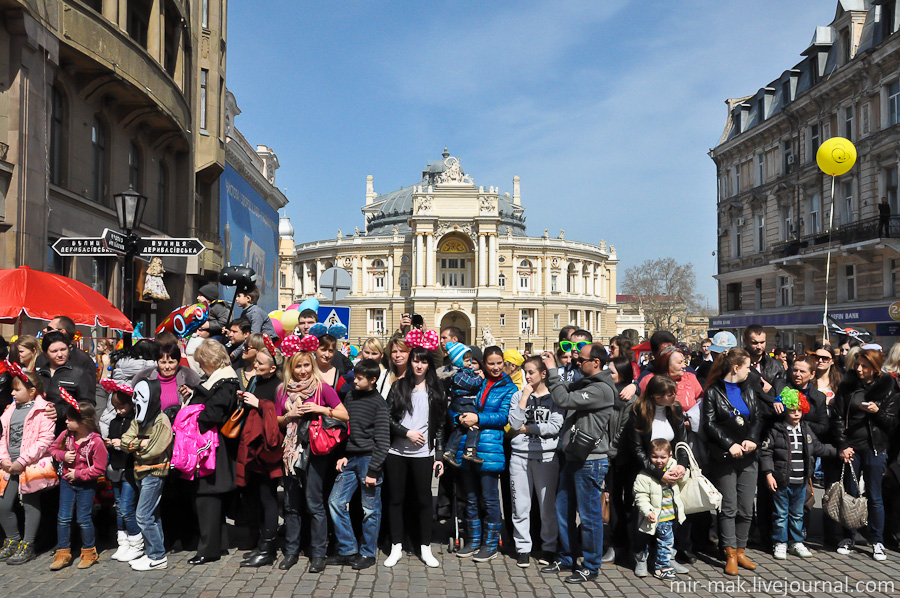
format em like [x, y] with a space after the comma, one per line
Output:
[865, 315]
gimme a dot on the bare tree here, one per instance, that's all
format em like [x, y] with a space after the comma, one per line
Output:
[665, 290]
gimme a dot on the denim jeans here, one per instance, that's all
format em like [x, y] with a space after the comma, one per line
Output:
[148, 516]
[353, 476]
[580, 486]
[665, 544]
[787, 523]
[872, 467]
[316, 476]
[77, 499]
[126, 493]
[482, 489]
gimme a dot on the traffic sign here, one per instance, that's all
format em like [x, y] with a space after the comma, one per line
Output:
[335, 315]
[67, 246]
[335, 284]
[115, 241]
[170, 246]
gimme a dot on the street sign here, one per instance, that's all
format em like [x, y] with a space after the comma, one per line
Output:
[335, 315]
[169, 246]
[81, 246]
[335, 284]
[115, 241]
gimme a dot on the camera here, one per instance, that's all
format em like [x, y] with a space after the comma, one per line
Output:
[418, 321]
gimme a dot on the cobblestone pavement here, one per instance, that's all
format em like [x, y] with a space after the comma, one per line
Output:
[853, 575]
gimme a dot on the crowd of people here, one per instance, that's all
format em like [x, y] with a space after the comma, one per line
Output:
[577, 456]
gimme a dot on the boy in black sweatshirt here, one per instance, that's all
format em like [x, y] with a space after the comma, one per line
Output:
[367, 446]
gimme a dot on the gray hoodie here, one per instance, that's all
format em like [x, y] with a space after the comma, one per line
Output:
[542, 419]
[589, 402]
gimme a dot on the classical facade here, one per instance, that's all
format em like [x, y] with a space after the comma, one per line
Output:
[775, 221]
[458, 254]
[100, 95]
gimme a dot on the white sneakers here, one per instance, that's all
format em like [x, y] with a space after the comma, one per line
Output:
[122, 540]
[394, 557]
[799, 549]
[427, 557]
[844, 547]
[133, 549]
[878, 552]
[145, 563]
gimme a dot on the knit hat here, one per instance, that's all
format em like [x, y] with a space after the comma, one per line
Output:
[457, 351]
[477, 354]
[514, 357]
[210, 291]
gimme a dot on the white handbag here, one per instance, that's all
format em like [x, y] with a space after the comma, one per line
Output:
[698, 494]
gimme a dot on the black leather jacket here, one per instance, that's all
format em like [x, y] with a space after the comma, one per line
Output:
[817, 418]
[846, 410]
[639, 444]
[437, 419]
[720, 423]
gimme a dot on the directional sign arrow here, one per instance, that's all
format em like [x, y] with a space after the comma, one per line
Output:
[169, 246]
[115, 241]
[67, 246]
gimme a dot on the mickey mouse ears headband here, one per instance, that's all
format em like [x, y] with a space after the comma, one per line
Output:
[336, 330]
[110, 385]
[427, 339]
[69, 399]
[293, 344]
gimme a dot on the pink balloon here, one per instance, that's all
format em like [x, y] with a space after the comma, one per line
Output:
[279, 329]
[294, 306]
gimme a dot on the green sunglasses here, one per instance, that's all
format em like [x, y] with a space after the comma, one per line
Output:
[572, 346]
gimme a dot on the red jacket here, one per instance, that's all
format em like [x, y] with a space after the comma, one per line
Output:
[260, 449]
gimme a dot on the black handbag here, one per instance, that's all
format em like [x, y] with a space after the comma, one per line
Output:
[581, 444]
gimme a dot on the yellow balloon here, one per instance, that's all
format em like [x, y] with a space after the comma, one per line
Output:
[836, 156]
[290, 319]
[276, 315]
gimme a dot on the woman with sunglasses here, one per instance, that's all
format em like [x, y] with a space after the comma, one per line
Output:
[828, 375]
[252, 345]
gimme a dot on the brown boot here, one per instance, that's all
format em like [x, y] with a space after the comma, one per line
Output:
[61, 558]
[88, 557]
[743, 561]
[731, 566]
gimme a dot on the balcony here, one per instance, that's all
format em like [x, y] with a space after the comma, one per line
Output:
[444, 292]
[853, 232]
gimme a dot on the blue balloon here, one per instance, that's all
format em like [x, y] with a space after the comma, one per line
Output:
[311, 303]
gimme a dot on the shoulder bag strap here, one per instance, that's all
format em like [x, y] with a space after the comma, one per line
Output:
[686, 448]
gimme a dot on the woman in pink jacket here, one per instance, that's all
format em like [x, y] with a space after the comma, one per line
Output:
[26, 439]
[83, 455]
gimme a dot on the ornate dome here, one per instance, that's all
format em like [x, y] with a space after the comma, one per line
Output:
[285, 229]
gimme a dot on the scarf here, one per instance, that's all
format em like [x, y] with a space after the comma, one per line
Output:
[297, 393]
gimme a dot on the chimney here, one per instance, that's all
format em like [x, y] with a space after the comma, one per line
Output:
[370, 190]
[517, 196]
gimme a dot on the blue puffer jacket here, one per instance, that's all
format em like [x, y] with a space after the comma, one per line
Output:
[492, 417]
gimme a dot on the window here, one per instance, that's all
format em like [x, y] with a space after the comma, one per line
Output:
[758, 303]
[134, 166]
[787, 231]
[848, 203]
[845, 48]
[99, 275]
[375, 321]
[379, 281]
[573, 317]
[503, 319]
[737, 179]
[404, 281]
[813, 215]
[733, 296]
[786, 92]
[813, 141]
[738, 236]
[760, 169]
[826, 130]
[204, 83]
[786, 290]
[57, 131]
[282, 279]
[138, 21]
[528, 321]
[501, 281]
[98, 162]
[848, 122]
[453, 272]
[865, 119]
[554, 288]
[524, 281]
[850, 281]
[890, 188]
[204, 14]
[893, 103]
[887, 19]
[760, 233]
[376, 264]
[556, 322]
[788, 153]
[162, 194]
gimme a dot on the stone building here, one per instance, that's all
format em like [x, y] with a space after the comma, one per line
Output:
[97, 95]
[458, 254]
[775, 221]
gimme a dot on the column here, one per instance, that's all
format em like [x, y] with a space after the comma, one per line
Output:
[303, 277]
[611, 289]
[389, 283]
[492, 260]
[111, 10]
[364, 266]
[318, 276]
[155, 31]
[420, 260]
[123, 15]
[579, 278]
[482, 261]
[429, 257]
[536, 280]
[547, 274]
[592, 282]
[515, 275]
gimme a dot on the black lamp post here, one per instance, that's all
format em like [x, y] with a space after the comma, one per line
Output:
[130, 207]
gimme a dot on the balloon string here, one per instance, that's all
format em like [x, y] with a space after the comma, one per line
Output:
[828, 259]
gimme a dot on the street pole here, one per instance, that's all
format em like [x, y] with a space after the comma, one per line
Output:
[128, 283]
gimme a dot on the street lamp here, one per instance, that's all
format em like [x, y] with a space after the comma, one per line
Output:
[130, 210]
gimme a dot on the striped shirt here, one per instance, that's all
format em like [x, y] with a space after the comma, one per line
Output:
[795, 433]
[667, 511]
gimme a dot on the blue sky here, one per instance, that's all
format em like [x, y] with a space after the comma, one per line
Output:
[606, 110]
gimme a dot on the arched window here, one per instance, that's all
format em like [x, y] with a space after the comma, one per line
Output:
[376, 264]
[135, 167]
[524, 275]
[501, 281]
[98, 161]
[57, 137]
[404, 281]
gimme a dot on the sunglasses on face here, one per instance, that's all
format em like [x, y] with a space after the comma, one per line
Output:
[50, 328]
[580, 360]
[572, 346]
[825, 358]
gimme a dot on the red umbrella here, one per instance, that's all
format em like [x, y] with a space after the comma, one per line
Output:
[43, 296]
